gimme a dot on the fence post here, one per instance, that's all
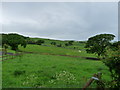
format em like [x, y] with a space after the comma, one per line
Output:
[95, 77]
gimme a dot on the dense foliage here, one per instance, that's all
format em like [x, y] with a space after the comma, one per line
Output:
[39, 42]
[53, 43]
[113, 63]
[13, 40]
[70, 42]
[115, 46]
[97, 44]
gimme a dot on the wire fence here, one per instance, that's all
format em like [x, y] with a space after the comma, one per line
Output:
[10, 56]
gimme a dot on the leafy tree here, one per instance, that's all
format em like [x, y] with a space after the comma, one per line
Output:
[24, 43]
[115, 46]
[97, 44]
[70, 42]
[53, 43]
[14, 40]
[39, 42]
[4, 43]
[66, 44]
[4, 39]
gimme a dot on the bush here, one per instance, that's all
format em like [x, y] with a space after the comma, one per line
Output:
[66, 44]
[39, 42]
[113, 63]
[70, 42]
[53, 43]
[60, 45]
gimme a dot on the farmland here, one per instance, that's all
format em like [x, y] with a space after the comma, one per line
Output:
[49, 66]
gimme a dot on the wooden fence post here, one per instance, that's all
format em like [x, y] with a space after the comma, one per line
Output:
[95, 77]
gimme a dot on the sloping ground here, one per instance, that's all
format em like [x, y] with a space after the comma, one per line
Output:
[55, 50]
[42, 66]
[90, 58]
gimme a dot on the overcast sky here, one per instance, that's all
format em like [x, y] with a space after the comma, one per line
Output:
[75, 21]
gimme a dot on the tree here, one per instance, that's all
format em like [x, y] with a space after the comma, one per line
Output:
[4, 39]
[66, 44]
[97, 44]
[53, 43]
[70, 42]
[14, 40]
[39, 42]
[115, 46]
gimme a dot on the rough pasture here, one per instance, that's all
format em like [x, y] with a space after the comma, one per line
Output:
[45, 67]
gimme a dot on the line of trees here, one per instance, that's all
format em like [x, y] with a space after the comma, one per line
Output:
[69, 43]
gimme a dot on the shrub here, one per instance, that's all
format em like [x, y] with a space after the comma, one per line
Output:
[53, 43]
[70, 42]
[39, 42]
[66, 44]
[113, 63]
[60, 45]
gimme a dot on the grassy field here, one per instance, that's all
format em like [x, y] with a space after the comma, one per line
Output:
[46, 67]
[55, 50]
[19, 72]
[48, 42]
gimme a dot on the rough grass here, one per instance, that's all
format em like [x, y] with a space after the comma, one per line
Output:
[56, 50]
[38, 70]
[35, 70]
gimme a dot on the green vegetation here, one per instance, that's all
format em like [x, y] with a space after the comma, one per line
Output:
[13, 40]
[60, 64]
[97, 44]
[55, 50]
[45, 67]
[39, 42]
[113, 63]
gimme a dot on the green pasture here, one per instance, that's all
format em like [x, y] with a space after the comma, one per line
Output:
[48, 42]
[35, 70]
[46, 67]
[56, 50]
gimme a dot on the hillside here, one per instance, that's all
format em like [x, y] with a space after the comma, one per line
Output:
[42, 65]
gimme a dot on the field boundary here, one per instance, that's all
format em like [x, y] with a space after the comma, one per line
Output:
[90, 58]
[10, 56]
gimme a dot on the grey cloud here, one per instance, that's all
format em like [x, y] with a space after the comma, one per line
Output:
[76, 21]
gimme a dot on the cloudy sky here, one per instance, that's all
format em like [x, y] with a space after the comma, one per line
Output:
[59, 20]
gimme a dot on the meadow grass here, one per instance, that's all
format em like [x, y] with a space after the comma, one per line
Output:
[55, 50]
[43, 69]
[48, 42]
[35, 70]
